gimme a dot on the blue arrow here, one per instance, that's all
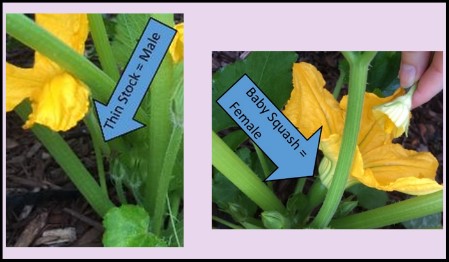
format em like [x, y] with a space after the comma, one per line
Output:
[117, 117]
[278, 138]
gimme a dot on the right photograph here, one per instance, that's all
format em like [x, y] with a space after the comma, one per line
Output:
[327, 140]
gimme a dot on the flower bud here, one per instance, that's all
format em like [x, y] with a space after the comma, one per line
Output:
[397, 113]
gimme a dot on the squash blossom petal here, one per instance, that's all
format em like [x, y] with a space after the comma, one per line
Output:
[177, 46]
[377, 163]
[58, 100]
[397, 113]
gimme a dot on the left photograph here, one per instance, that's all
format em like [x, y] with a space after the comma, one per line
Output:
[94, 130]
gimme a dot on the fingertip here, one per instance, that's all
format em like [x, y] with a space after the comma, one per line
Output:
[413, 65]
[407, 75]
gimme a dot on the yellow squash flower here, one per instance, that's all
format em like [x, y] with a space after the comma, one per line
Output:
[58, 99]
[377, 163]
[177, 46]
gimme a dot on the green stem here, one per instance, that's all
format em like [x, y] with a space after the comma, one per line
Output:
[350, 56]
[252, 223]
[300, 185]
[226, 223]
[99, 148]
[358, 64]
[264, 164]
[102, 45]
[172, 221]
[70, 163]
[26, 31]
[262, 160]
[395, 213]
[234, 169]
[167, 169]
[120, 192]
[159, 130]
[339, 84]
[176, 200]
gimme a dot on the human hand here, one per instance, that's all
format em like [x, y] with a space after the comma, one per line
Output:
[415, 66]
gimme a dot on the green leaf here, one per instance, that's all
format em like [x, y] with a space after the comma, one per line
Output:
[368, 197]
[127, 226]
[430, 221]
[129, 28]
[383, 74]
[271, 71]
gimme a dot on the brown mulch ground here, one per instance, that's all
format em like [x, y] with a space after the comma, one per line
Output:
[41, 197]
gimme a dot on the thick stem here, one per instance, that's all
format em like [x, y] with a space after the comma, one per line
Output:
[358, 64]
[234, 169]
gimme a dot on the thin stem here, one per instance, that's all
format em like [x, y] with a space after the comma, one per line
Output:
[226, 223]
[167, 169]
[264, 164]
[102, 45]
[70, 163]
[176, 200]
[99, 148]
[120, 193]
[172, 221]
[395, 213]
[300, 185]
[358, 76]
[234, 169]
[339, 84]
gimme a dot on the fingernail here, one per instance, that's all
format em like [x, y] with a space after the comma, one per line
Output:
[407, 74]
